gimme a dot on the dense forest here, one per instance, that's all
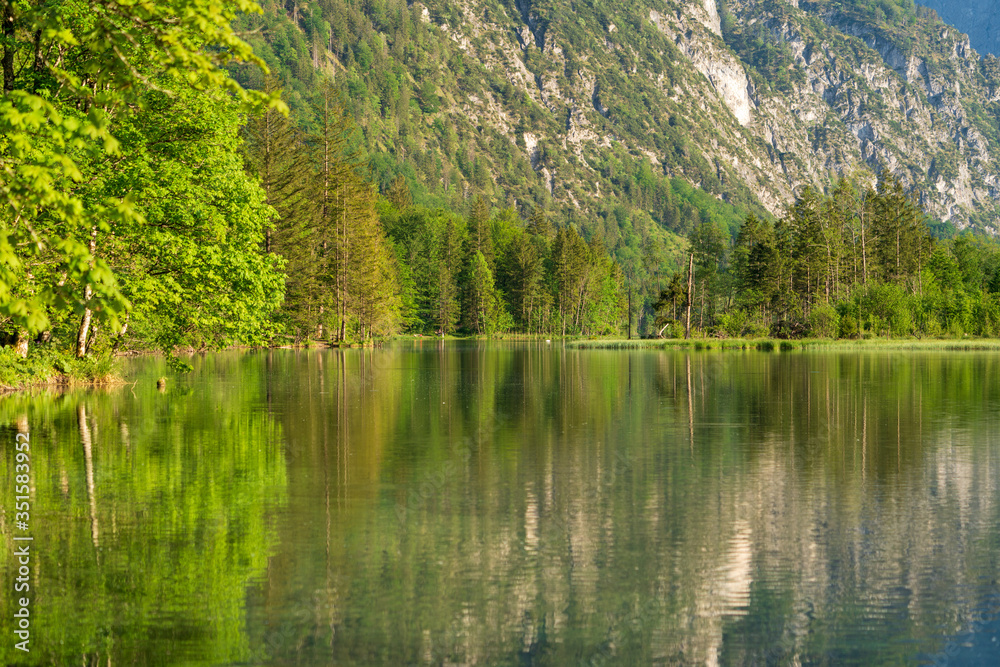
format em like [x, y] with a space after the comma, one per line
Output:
[861, 261]
[158, 194]
[360, 266]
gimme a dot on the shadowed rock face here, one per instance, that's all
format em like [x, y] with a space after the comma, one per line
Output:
[980, 19]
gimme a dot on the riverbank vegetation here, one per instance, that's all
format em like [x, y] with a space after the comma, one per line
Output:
[859, 262]
[151, 201]
[126, 211]
[784, 345]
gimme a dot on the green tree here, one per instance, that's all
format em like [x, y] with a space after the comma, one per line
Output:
[191, 262]
[752, 260]
[480, 233]
[570, 273]
[810, 251]
[58, 116]
[487, 314]
[708, 243]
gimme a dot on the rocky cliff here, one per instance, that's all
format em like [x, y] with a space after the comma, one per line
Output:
[772, 95]
[596, 108]
[979, 18]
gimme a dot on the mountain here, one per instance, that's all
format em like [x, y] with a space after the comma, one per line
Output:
[979, 18]
[640, 119]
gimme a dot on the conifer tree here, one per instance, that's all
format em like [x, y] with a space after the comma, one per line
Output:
[276, 153]
[480, 234]
[809, 250]
[445, 292]
[539, 223]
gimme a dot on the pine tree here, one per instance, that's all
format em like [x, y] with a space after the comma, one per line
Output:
[276, 153]
[372, 280]
[539, 223]
[526, 280]
[399, 195]
[753, 255]
[445, 295]
[809, 251]
[708, 243]
[344, 201]
[480, 234]
[569, 264]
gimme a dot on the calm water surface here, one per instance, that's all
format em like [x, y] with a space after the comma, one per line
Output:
[528, 504]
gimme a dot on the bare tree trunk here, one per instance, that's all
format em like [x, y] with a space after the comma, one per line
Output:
[690, 295]
[81, 336]
[864, 251]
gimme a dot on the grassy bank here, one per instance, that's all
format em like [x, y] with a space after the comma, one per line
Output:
[770, 344]
[46, 366]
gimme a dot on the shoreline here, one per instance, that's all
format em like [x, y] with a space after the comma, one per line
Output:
[786, 345]
[59, 379]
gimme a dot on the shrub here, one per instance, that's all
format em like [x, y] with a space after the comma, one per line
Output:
[847, 327]
[734, 323]
[823, 322]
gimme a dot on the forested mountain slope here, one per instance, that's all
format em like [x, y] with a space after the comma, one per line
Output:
[605, 111]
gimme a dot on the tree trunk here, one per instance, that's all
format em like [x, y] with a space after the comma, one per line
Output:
[81, 336]
[7, 16]
[21, 344]
[690, 295]
[864, 252]
[120, 337]
[630, 312]
[342, 259]
[39, 64]
[701, 314]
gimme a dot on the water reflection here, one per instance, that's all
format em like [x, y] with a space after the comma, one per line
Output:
[502, 504]
[148, 518]
[554, 506]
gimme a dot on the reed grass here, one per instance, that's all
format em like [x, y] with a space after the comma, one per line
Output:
[772, 345]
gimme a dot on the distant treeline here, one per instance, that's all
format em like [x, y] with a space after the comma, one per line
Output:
[861, 261]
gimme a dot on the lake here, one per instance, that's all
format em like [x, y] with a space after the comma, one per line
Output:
[514, 504]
